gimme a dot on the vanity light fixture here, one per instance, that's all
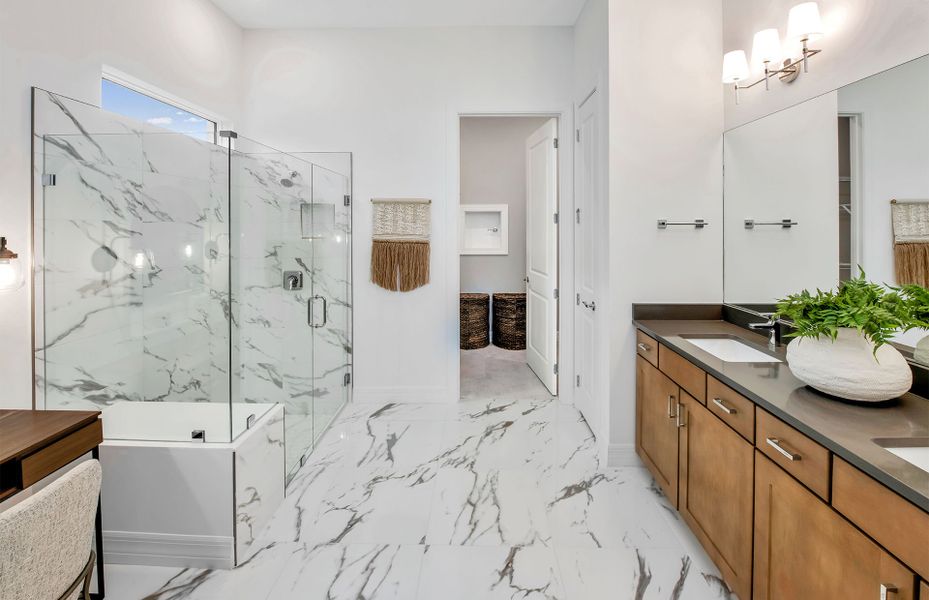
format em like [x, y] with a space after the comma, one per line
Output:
[11, 271]
[803, 25]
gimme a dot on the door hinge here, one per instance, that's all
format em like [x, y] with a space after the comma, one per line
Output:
[577, 216]
[556, 368]
[578, 381]
[578, 300]
[49, 179]
[347, 379]
[556, 143]
[577, 135]
[347, 200]
[555, 294]
[555, 218]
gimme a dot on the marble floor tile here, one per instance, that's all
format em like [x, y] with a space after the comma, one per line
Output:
[490, 573]
[639, 574]
[500, 495]
[351, 572]
[608, 509]
[487, 508]
[497, 373]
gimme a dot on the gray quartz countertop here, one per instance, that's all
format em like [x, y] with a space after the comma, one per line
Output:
[846, 429]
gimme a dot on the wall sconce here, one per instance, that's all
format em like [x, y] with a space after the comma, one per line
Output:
[803, 25]
[11, 271]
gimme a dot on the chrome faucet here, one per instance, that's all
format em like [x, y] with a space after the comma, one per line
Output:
[774, 330]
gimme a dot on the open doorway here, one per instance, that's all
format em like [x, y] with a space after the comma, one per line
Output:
[508, 235]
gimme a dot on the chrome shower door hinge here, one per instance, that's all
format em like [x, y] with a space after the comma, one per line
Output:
[49, 179]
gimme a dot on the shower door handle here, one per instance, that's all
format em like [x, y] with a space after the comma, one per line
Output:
[310, 316]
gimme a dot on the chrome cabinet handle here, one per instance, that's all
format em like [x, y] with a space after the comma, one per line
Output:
[644, 347]
[680, 421]
[887, 589]
[671, 403]
[722, 406]
[776, 444]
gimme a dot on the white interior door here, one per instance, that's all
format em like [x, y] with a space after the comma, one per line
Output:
[588, 204]
[542, 253]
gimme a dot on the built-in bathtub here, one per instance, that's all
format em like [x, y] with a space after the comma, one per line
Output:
[188, 503]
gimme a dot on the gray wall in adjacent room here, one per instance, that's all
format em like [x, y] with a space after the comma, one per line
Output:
[493, 171]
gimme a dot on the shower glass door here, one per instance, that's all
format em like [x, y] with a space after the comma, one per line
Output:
[289, 274]
[332, 350]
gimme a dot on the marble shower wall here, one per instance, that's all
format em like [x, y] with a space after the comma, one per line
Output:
[132, 268]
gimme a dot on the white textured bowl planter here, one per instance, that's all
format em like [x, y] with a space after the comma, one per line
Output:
[848, 368]
[921, 352]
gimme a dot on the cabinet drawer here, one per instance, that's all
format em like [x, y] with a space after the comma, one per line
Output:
[53, 457]
[806, 550]
[794, 452]
[646, 347]
[735, 409]
[893, 522]
[684, 373]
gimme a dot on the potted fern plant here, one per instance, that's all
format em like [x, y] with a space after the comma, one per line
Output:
[840, 343]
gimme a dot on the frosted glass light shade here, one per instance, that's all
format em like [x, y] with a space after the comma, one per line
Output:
[766, 47]
[11, 274]
[804, 22]
[735, 66]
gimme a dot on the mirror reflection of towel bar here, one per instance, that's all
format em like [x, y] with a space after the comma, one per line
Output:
[784, 223]
[696, 223]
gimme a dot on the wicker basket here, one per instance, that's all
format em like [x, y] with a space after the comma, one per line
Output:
[474, 313]
[510, 321]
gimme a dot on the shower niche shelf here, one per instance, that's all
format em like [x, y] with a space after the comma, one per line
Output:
[483, 229]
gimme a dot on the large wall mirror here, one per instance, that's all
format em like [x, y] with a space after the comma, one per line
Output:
[811, 191]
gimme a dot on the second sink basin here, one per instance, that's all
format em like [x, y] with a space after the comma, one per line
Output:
[730, 349]
[913, 450]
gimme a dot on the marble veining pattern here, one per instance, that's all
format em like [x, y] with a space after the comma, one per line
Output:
[488, 498]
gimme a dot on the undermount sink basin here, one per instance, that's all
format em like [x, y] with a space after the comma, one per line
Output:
[913, 450]
[730, 349]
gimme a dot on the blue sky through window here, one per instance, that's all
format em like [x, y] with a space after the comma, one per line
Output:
[136, 105]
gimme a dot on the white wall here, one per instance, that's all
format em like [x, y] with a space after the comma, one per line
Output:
[388, 95]
[894, 111]
[666, 121]
[769, 262]
[187, 47]
[863, 37]
[493, 171]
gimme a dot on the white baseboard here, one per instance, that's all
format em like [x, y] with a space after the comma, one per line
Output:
[411, 395]
[622, 455]
[168, 550]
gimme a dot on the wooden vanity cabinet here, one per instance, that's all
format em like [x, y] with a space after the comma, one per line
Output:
[715, 494]
[804, 549]
[657, 398]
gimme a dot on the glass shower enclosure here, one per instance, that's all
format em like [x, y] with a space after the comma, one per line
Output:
[184, 287]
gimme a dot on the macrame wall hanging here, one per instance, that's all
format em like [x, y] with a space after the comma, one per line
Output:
[400, 253]
[911, 241]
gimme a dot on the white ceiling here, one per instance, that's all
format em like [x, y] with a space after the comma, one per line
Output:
[290, 14]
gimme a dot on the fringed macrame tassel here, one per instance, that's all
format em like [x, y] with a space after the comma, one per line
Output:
[400, 265]
[911, 261]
